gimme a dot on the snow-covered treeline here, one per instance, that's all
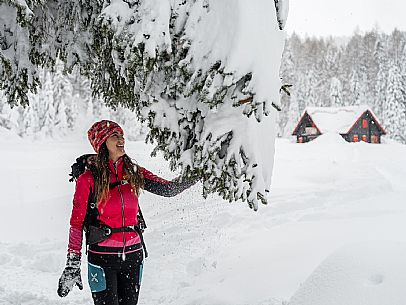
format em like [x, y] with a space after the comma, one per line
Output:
[366, 69]
[63, 104]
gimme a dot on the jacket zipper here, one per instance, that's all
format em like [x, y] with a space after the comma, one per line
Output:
[122, 210]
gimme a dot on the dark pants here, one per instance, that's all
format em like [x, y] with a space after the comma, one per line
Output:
[114, 281]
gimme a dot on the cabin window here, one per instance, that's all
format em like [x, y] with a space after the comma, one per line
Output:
[364, 138]
[311, 130]
[364, 123]
[374, 139]
[355, 138]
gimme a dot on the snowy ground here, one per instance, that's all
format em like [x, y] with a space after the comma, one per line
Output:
[326, 195]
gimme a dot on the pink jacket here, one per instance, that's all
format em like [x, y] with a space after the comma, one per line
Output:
[119, 210]
[121, 207]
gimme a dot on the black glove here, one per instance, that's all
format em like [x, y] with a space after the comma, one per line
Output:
[70, 276]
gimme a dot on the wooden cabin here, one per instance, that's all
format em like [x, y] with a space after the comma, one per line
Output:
[353, 123]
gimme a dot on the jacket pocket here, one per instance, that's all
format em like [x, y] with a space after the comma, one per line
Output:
[96, 278]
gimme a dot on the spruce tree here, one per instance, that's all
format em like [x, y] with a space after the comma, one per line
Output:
[394, 107]
[380, 82]
[357, 90]
[62, 96]
[335, 92]
[47, 103]
[182, 66]
[288, 77]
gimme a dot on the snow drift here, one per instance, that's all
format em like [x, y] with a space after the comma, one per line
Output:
[369, 273]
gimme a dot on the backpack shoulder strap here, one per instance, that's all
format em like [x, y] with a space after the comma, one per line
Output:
[92, 213]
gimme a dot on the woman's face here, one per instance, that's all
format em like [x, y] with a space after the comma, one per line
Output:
[115, 146]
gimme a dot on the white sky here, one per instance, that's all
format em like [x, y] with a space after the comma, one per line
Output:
[332, 17]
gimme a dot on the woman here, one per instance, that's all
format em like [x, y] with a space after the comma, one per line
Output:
[105, 204]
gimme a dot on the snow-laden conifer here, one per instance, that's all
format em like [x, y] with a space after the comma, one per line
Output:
[203, 74]
[24, 45]
[335, 92]
[395, 104]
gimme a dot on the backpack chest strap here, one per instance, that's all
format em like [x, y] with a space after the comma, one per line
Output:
[116, 183]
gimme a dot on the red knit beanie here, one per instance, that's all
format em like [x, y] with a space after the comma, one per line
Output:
[100, 131]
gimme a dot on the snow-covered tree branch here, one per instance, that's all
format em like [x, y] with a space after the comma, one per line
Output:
[203, 74]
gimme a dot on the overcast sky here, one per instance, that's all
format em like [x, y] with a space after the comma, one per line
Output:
[341, 17]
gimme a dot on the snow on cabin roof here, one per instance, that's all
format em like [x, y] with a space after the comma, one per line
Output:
[336, 119]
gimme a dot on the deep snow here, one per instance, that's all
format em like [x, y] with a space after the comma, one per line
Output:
[325, 195]
[367, 273]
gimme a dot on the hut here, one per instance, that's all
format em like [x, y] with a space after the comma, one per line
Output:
[353, 123]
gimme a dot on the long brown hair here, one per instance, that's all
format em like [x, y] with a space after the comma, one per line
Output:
[102, 179]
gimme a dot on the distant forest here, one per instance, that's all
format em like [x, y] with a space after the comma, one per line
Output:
[366, 69]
